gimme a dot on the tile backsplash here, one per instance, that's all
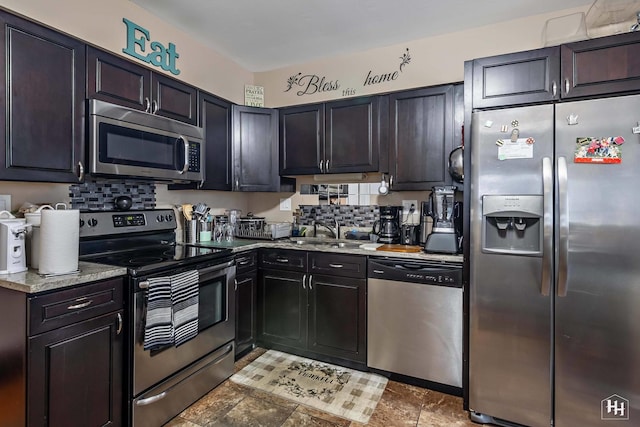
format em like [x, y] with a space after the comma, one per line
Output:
[347, 215]
[98, 194]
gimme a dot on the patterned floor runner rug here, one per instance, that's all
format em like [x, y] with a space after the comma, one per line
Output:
[344, 392]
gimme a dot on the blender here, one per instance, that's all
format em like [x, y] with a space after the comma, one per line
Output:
[443, 237]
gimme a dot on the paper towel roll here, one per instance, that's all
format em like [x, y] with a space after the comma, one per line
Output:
[59, 241]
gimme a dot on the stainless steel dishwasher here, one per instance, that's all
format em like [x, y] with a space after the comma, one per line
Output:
[414, 319]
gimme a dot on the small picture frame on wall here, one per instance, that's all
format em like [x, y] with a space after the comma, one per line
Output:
[253, 96]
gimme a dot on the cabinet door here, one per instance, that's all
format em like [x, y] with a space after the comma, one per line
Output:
[282, 308]
[517, 78]
[352, 135]
[601, 66]
[337, 317]
[421, 137]
[215, 118]
[301, 139]
[174, 99]
[113, 79]
[255, 149]
[246, 310]
[75, 374]
[43, 91]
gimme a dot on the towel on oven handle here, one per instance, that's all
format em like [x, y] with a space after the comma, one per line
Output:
[184, 296]
[158, 331]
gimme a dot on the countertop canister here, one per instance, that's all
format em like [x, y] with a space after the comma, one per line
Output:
[59, 241]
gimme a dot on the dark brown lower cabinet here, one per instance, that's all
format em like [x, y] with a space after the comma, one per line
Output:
[246, 300]
[62, 356]
[337, 317]
[75, 374]
[322, 315]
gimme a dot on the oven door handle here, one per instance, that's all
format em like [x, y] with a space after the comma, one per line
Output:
[145, 283]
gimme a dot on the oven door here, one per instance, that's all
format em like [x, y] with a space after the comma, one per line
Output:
[216, 326]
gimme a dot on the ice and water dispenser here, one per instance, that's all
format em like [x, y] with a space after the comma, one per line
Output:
[512, 224]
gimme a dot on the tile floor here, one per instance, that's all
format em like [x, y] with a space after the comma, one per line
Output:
[234, 405]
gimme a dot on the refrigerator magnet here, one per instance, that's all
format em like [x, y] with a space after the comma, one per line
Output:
[598, 150]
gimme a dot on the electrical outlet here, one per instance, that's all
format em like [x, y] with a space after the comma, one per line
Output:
[408, 204]
[285, 204]
[5, 202]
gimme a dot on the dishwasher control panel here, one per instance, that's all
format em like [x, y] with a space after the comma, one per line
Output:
[428, 273]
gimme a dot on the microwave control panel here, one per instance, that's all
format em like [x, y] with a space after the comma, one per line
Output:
[194, 157]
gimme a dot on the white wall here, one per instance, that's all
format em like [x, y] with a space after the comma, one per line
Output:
[434, 60]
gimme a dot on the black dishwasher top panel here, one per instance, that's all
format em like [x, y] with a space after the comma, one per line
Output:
[404, 270]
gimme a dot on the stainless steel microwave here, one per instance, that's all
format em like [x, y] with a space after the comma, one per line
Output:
[131, 143]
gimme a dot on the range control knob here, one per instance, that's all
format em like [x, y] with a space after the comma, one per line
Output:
[81, 223]
[169, 217]
[92, 222]
[160, 218]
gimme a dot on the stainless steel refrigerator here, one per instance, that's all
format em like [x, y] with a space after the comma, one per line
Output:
[554, 309]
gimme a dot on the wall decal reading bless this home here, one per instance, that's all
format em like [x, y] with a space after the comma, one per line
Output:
[313, 83]
[160, 56]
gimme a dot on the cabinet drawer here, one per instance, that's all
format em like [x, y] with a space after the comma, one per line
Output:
[61, 308]
[246, 261]
[338, 264]
[283, 259]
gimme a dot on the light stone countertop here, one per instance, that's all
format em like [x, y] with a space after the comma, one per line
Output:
[31, 282]
[240, 245]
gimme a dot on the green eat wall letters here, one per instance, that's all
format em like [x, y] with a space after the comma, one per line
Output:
[160, 56]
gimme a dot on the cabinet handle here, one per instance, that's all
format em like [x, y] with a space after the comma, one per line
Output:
[282, 260]
[310, 279]
[304, 281]
[119, 317]
[243, 261]
[147, 105]
[154, 107]
[144, 285]
[237, 183]
[566, 85]
[391, 181]
[80, 172]
[81, 304]
[326, 166]
[235, 283]
[554, 88]
[321, 165]
[336, 265]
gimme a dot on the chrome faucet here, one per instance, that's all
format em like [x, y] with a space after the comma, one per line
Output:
[335, 230]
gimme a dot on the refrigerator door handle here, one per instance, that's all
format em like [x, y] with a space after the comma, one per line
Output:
[563, 209]
[547, 226]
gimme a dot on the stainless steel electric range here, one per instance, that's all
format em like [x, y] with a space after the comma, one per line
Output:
[164, 381]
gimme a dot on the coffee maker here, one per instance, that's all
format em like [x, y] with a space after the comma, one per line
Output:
[444, 234]
[388, 227]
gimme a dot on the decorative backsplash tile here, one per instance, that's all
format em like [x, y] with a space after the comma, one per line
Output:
[98, 194]
[347, 215]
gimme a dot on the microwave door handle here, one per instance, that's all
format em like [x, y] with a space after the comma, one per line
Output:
[185, 167]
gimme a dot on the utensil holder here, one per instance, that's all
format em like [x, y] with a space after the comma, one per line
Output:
[191, 231]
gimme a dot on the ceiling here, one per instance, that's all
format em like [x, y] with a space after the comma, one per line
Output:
[263, 35]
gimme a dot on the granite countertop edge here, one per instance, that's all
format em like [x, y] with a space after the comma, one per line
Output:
[242, 245]
[31, 282]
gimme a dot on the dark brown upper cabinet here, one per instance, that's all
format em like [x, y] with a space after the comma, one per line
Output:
[422, 132]
[255, 149]
[334, 137]
[517, 78]
[43, 91]
[601, 66]
[215, 118]
[119, 81]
